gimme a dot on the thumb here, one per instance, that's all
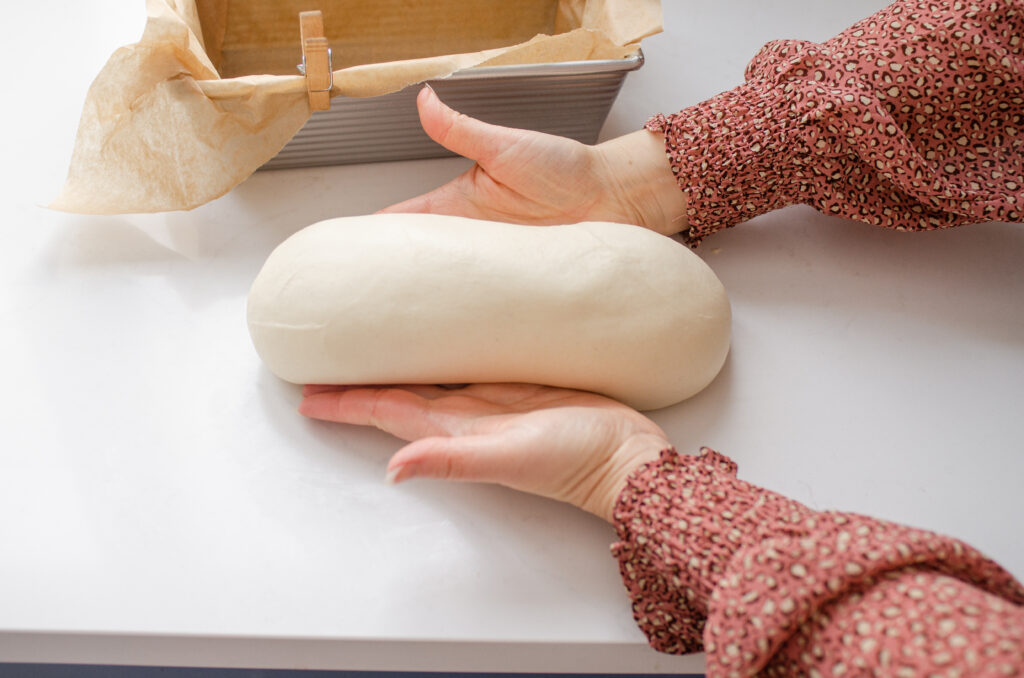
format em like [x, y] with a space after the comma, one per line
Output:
[462, 134]
[472, 457]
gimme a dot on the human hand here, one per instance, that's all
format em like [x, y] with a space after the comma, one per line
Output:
[569, 445]
[528, 177]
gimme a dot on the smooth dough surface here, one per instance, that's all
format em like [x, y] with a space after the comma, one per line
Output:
[430, 299]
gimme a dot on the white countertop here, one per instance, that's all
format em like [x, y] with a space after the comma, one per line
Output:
[162, 503]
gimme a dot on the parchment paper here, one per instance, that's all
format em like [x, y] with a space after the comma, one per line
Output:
[162, 129]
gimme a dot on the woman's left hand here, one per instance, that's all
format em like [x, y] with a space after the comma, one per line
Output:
[569, 445]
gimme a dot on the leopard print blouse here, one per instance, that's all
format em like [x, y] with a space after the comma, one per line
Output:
[910, 119]
[766, 586]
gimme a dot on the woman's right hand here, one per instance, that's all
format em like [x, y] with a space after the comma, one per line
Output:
[572, 446]
[529, 177]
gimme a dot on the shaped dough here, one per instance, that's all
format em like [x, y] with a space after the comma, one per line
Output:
[420, 298]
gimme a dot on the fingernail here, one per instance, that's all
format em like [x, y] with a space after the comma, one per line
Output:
[392, 475]
[432, 93]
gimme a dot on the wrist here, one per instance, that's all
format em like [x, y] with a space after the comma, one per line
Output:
[636, 451]
[641, 178]
[713, 513]
[742, 152]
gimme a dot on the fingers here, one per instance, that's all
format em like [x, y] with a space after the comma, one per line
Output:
[461, 134]
[423, 390]
[421, 204]
[399, 412]
[313, 389]
[454, 198]
[513, 396]
[415, 411]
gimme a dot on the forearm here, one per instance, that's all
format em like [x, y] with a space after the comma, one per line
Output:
[911, 119]
[912, 621]
[715, 563]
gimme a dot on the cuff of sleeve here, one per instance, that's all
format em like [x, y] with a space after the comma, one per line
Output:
[732, 156]
[680, 520]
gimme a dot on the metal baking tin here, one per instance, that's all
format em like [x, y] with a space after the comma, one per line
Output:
[571, 99]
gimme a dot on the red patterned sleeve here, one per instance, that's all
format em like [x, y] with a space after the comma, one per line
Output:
[763, 583]
[911, 119]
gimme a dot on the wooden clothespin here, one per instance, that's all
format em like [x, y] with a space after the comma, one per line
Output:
[317, 64]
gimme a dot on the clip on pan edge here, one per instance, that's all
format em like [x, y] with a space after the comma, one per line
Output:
[317, 60]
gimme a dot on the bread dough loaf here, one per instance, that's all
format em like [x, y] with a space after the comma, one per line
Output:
[420, 298]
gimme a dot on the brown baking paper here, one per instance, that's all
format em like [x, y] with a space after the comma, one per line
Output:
[211, 92]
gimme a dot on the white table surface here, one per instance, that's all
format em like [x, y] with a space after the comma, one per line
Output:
[162, 503]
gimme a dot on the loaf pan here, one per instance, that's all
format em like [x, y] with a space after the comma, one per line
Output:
[570, 99]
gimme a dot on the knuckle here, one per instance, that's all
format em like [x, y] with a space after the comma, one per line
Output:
[451, 467]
